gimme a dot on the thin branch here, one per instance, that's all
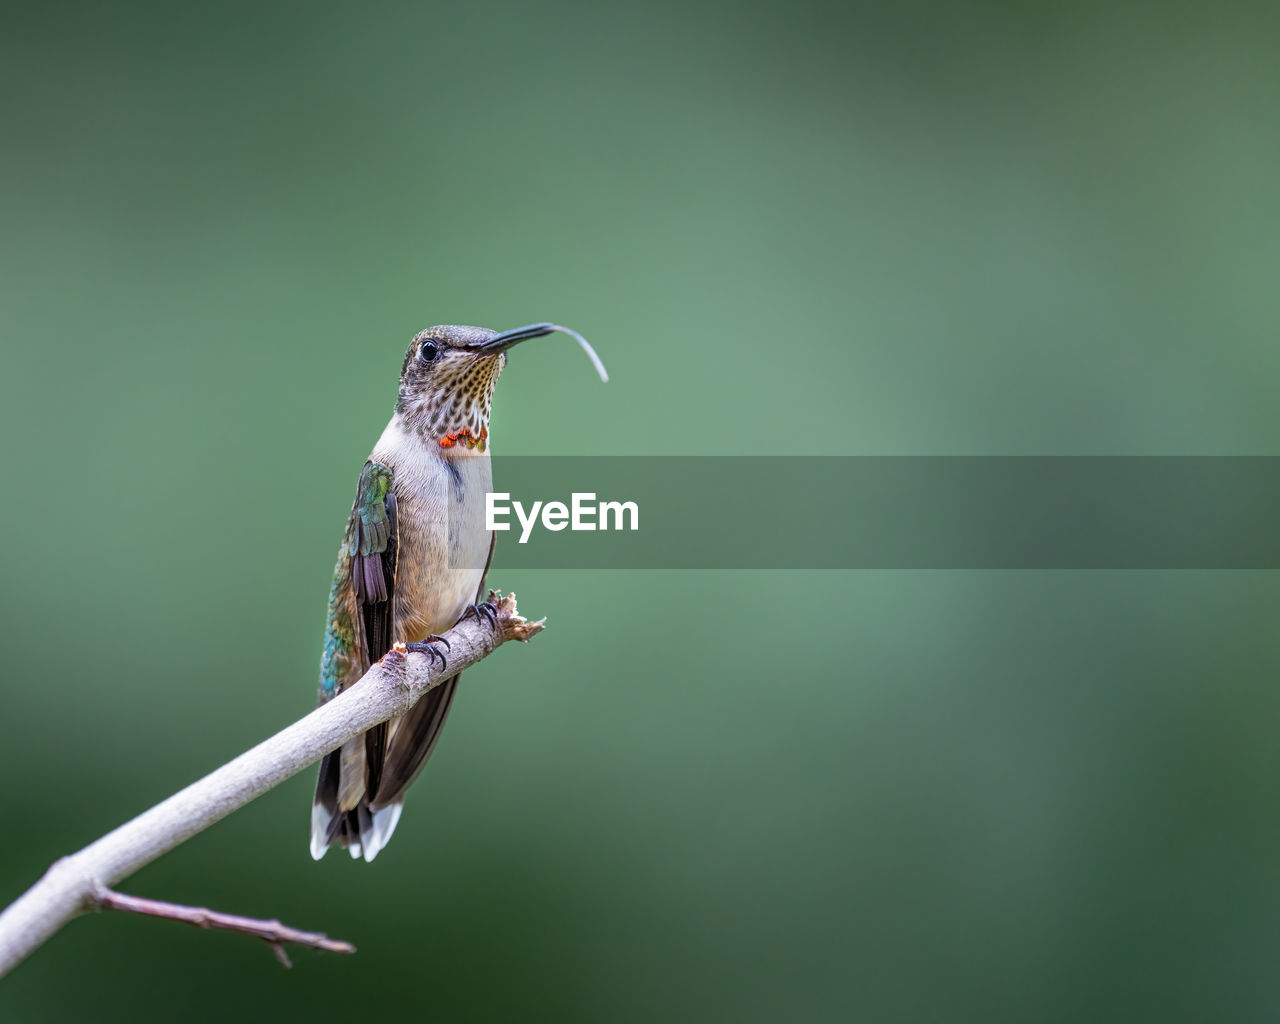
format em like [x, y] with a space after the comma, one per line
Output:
[273, 933]
[390, 688]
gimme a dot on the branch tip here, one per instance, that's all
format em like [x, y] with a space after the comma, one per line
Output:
[274, 933]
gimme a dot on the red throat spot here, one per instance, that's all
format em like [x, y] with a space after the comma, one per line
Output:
[465, 436]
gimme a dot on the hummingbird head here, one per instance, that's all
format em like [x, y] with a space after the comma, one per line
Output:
[448, 377]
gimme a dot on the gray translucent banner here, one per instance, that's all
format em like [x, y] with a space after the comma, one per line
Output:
[815, 512]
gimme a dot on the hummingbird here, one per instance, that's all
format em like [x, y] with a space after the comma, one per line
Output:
[412, 563]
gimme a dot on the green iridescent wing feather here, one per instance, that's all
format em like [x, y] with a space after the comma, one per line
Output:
[361, 608]
[363, 585]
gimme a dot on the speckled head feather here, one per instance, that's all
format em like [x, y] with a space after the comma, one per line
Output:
[447, 382]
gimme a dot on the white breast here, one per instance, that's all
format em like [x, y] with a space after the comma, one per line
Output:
[443, 545]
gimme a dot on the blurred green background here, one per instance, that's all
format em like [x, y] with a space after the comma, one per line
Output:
[984, 228]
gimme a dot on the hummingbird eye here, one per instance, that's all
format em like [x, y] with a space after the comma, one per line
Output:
[428, 351]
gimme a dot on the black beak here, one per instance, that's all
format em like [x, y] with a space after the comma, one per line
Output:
[508, 338]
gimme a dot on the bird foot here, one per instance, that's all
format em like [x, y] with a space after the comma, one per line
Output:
[426, 646]
[486, 610]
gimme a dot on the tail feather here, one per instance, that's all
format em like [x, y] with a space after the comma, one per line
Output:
[383, 824]
[361, 830]
[342, 812]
